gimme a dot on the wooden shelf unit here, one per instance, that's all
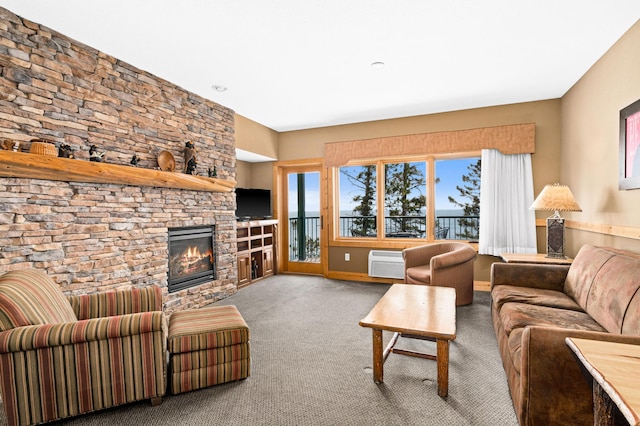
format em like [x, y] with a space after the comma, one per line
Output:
[256, 242]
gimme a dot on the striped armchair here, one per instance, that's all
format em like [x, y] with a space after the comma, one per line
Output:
[60, 357]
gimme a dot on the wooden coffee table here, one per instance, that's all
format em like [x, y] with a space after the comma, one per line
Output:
[419, 312]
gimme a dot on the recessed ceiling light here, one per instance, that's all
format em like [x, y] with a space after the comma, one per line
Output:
[219, 88]
[377, 65]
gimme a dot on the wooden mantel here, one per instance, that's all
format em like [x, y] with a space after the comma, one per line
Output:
[34, 166]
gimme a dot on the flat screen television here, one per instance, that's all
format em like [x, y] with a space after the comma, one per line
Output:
[252, 203]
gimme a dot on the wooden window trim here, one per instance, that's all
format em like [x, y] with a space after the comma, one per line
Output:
[334, 197]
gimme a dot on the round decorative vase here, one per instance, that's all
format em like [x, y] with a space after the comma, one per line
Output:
[166, 161]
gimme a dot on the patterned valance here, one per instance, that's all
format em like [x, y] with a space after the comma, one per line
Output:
[510, 139]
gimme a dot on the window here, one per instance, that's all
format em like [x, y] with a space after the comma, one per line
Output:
[405, 200]
[304, 216]
[390, 199]
[358, 201]
[457, 199]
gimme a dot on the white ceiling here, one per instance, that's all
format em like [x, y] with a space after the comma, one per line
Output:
[292, 64]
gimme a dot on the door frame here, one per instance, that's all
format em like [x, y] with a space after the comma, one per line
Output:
[281, 170]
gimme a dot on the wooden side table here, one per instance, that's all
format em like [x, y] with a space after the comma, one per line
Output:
[534, 258]
[615, 369]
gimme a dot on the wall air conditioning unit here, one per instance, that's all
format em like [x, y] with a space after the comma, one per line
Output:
[386, 264]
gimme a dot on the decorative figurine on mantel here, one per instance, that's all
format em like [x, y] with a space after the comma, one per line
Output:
[65, 151]
[190, 161]
[135, 160]
[9, 145]
[94, 155]
[213, 173]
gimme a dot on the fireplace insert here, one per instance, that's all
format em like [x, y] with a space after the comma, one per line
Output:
[191, 256]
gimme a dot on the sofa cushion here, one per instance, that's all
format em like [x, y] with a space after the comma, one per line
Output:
[631, 323]
[30, 297]
[113, 303]
[518, 315]
[421, 274]
[583, 270]
[515, 348]
[533, 296]
[206, 328]
[613, 288]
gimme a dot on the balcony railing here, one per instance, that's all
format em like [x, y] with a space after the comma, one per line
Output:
[457, 227]
[306, 230]
[446, 228]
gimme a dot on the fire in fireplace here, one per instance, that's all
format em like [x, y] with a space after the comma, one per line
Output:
[191, 256]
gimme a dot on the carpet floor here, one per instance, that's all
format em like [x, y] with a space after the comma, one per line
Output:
[312, 365]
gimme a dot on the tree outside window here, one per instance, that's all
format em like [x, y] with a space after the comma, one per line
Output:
[405, 201]
[457, 199]
[358, 201]
[455, 205]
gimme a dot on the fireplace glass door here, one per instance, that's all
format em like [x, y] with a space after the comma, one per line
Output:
[191, 256]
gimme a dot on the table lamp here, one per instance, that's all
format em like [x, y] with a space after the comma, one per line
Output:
[557, 198]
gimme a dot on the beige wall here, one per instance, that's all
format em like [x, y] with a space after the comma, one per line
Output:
[576, 144]
[254, 137]
[590, 140]
[297, 145]
[305, 144]
[243, 174]
[262, 175]
[545, 114]
[254, 175]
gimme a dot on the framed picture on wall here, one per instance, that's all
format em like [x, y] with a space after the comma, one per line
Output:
[629, 175]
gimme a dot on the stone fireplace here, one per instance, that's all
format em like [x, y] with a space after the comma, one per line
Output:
[191, 256]
[92, 236]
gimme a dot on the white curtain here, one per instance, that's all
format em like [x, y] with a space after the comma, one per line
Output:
[507, 224]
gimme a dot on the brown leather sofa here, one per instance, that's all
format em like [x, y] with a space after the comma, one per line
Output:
[536, 306]
[442, 264]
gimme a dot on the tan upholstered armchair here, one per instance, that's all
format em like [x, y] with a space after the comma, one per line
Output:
[442, 264]
[60, 357]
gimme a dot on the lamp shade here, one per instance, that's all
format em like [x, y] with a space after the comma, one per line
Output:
[556, 197]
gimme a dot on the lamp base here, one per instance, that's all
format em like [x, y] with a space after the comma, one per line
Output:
[555, 237]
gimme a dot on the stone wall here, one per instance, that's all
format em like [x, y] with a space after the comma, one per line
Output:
[92, 237]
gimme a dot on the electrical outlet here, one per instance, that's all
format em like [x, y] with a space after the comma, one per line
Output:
[347, 257]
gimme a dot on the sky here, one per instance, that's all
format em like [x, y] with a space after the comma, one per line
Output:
[450, 173]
